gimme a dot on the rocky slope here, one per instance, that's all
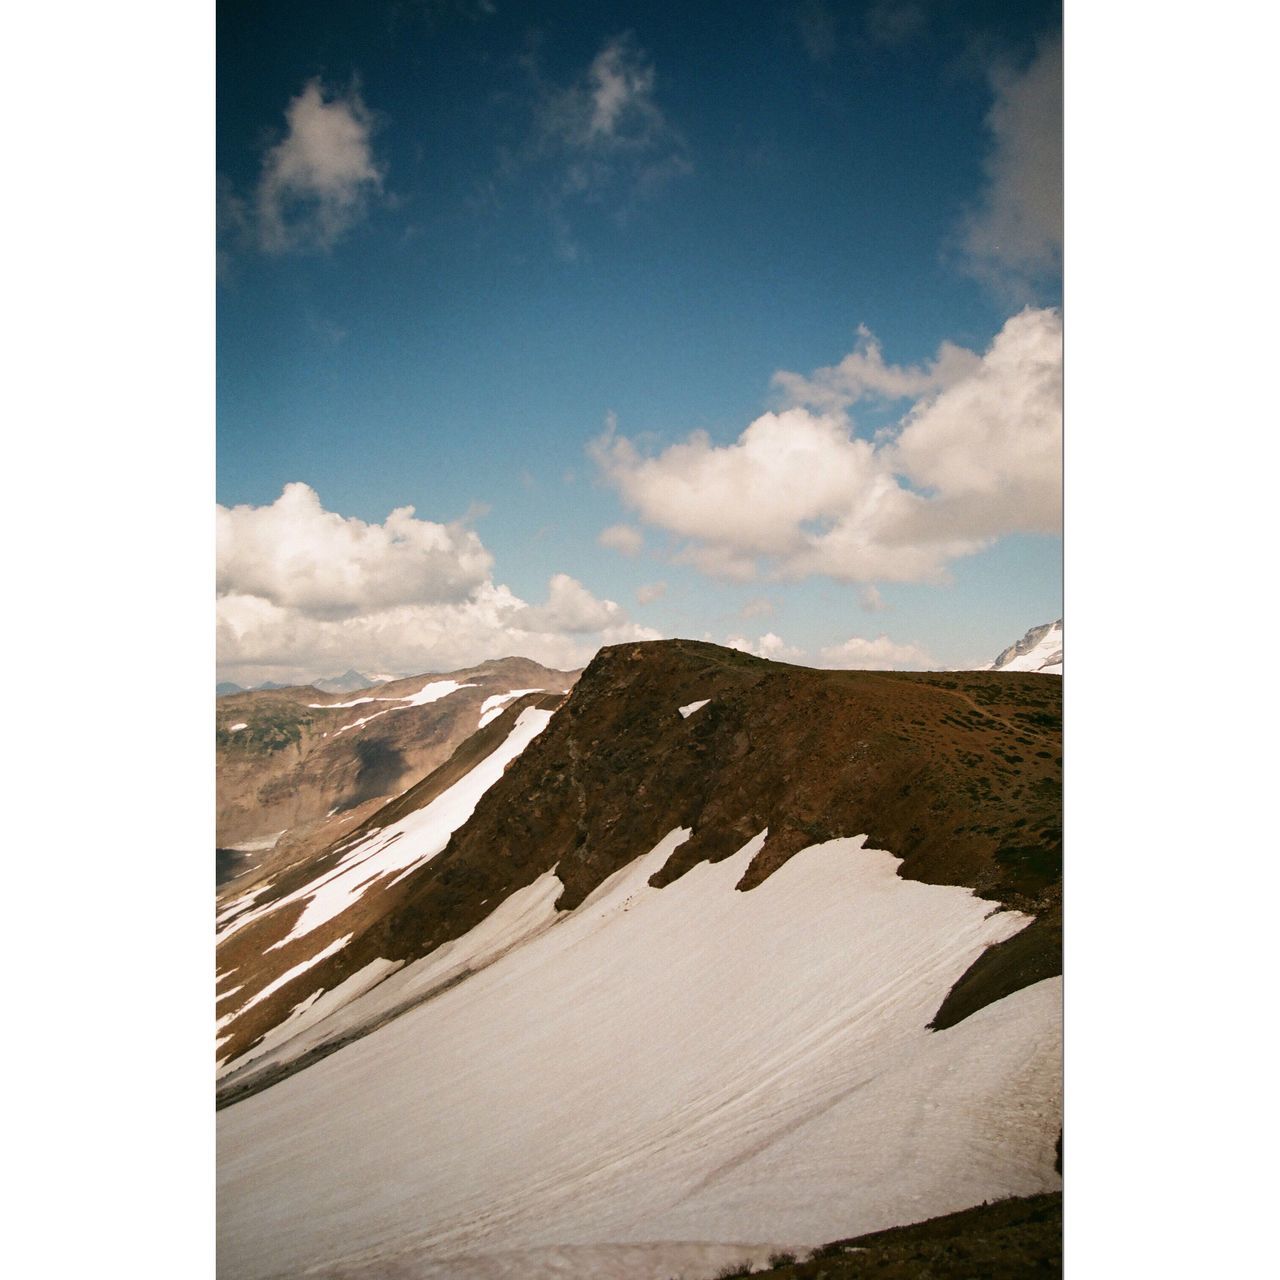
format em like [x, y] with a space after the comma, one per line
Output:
[664, 952]
[299, 767]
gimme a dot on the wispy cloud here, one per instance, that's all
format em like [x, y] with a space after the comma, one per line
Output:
[625, 538]
[894, 22]
[603, 136]
[1013, 239]
[864, 374]
[816, 25]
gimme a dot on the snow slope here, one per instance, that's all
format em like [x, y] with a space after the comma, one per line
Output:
[1039, 650]
[644, 1084]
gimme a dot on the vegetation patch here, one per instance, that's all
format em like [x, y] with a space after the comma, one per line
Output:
[1009, 1240]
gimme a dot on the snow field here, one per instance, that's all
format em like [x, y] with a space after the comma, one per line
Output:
[687, 711]
[655, 1072]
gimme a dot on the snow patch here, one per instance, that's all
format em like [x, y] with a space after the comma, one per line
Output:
[260, 845]
[235, 728]
[433, 691]
[288, 976]
[691, 707]
[491, 707]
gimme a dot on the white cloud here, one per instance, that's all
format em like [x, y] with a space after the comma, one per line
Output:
[303, 592]
[769, 645]
[648, 592]
[570, 607]
[870, 599]
[863, 374]
[1015, 237]
[990, 446]
[622, 537]
[758, 607]
[296, 554]
[317, 181]
[880, 654]
[799, 494]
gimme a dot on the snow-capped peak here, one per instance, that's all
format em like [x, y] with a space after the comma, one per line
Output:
[1039, 650]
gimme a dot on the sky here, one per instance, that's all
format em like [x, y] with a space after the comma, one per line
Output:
[542, 327]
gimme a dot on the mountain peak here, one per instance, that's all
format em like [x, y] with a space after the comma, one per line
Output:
[1039, 650]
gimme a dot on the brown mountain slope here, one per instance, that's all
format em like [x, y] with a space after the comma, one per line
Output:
[959, 774]
[304, 755]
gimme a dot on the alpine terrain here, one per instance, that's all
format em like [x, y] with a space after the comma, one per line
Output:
[299, 767]
[687, 963]
[1039, 650]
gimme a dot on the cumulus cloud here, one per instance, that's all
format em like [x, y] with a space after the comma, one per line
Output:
[570, 607]
[622, 537]
[880, 654]
[770, 645]
[1015, 237]
[303, 592]
[990, 446]
[296, 554]
[799, 494]
[317, 181]
[648, 592]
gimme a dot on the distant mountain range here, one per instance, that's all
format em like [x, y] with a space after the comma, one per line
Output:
[351, 681]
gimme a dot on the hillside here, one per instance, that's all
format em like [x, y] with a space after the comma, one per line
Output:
[298, 767]
[640, 967]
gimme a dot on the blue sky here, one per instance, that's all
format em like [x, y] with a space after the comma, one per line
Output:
[499, 263]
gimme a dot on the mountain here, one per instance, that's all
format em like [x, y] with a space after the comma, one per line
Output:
[632, 986]
[298, 767]
[351, 681]
[226, 686]
[1039, 650]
